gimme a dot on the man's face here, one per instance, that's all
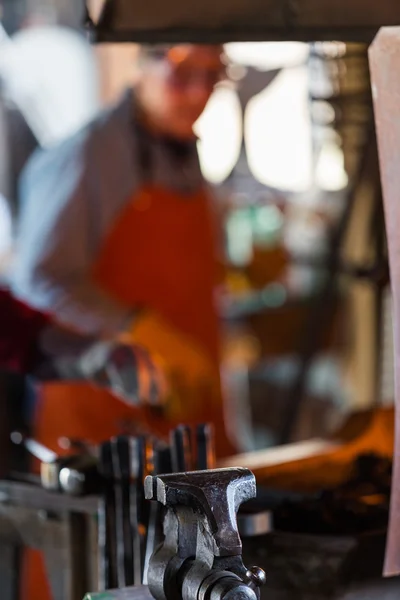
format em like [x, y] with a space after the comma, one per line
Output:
[178, 86]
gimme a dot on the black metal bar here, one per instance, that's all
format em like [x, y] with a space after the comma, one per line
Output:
[14, 390]
[205, 446]
[10, 556]
[378, 231]
[181, 449]
[224, 36]
[106, 523]
[124, 539]
[138, 511]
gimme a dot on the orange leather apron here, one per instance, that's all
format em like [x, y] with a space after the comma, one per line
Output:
[159, 255]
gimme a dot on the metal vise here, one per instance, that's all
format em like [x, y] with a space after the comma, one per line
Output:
[201, 556]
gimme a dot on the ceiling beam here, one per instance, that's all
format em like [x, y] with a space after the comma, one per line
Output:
[214, 21]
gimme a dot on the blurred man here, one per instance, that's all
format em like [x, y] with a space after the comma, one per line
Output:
[116, 245]
[116, 241]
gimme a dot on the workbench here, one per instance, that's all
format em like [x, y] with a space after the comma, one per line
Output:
[62, 527]
[65, 529]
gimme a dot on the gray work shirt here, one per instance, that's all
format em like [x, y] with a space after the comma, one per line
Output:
[71, 195]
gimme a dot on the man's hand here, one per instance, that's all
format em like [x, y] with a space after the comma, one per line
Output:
[181, 358]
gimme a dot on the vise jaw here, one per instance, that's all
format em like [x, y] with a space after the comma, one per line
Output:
[201, 555]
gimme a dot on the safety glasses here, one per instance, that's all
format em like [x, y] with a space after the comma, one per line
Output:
[183, 72]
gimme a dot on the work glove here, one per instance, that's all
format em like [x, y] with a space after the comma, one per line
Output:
[180, 357]
[193, 384]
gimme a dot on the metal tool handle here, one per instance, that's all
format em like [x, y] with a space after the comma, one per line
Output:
[205, 446]
[121, 463]
[181, 449]
[106, 523]
[138, 509]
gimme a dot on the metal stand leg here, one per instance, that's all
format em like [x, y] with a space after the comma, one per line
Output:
[9, 571]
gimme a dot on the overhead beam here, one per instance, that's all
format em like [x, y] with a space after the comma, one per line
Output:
[215, 21]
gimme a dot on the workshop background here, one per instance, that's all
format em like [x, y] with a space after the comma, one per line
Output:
[282, 144]
[288, 145]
